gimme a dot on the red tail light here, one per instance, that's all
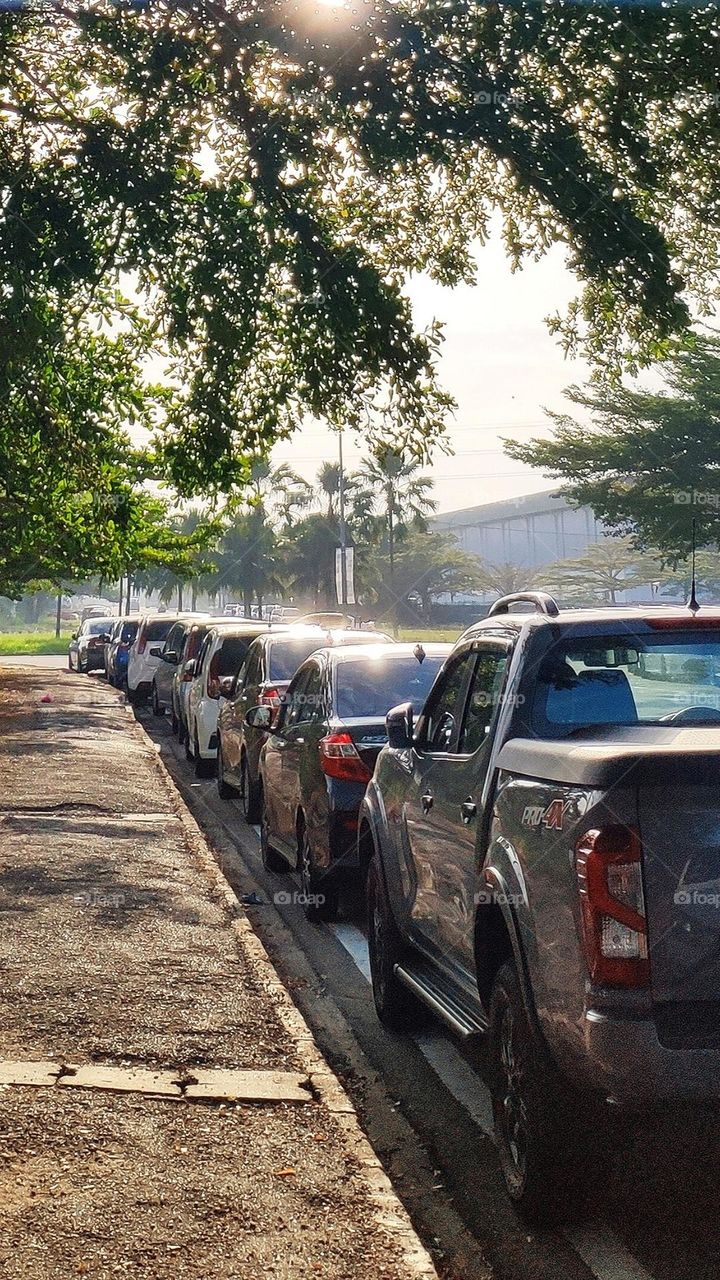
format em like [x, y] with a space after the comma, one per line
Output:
[608, 863]
[270, 697]
[142, 640]
[339, 758]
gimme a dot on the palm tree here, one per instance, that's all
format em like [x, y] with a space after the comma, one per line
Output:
[310, 559]
[389, 482]
[247, 559]
[278, 487]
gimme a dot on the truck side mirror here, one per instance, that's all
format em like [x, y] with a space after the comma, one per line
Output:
[399, 725]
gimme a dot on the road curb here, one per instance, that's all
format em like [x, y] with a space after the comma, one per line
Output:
[389, 1212]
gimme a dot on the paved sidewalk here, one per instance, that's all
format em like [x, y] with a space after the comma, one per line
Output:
[121, 946]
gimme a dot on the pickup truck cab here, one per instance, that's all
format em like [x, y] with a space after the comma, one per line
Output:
[543, 845]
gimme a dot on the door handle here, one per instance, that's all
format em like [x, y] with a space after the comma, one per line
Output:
[468, 810]
[427, 801]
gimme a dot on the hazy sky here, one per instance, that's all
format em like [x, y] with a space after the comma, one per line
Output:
[501, 365]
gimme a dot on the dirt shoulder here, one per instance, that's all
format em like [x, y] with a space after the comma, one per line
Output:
[116, 948]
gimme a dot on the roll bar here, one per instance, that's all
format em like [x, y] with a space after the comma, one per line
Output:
[543, 602]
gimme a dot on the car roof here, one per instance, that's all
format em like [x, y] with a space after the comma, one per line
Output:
[242, 628]
[336, 635]
[371, 652]
[621, 616]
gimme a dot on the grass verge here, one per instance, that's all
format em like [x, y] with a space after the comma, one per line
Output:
[37, 642]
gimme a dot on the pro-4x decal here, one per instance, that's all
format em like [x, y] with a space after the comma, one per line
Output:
[551, 816]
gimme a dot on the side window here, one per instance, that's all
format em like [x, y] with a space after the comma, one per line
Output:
[312, 702]
[252, 668]
[444, 711]
[242, 673]
[202, 656]
[485, 689]
[295, 700]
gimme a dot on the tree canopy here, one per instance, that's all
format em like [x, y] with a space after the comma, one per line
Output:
[243, 186]
[650, 462]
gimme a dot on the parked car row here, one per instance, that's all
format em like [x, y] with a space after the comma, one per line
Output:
[533, 817]
[290, 719]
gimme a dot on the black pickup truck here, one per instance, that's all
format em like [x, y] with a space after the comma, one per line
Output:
[544, 866]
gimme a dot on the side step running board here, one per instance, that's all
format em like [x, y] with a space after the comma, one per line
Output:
[456, 1016]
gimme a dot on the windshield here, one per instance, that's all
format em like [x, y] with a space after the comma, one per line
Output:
[629, 679]
[370, 688]
[285, 656]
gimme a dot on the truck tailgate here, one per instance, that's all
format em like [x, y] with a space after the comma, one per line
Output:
[680, 830]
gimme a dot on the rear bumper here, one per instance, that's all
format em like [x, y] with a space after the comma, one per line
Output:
[625, 1058]
[345, 800]
[94, 660]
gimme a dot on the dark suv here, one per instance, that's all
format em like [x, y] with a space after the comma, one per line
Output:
[545, 852]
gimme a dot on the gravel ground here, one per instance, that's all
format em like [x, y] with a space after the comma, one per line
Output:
[113, 948]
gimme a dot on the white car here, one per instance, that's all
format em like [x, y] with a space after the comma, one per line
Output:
[144, 655]
[213, 674]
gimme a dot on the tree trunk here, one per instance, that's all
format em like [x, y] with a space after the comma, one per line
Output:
[391, 556]
[129, 593]
[58, 613]
[193, 597]
[120, 595]
[180, 597]
[247, 603]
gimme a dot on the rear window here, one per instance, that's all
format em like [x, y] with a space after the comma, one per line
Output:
[231, 654]
[98, 626]
[158, 630]
[628, 679]
[370, 688]
[285, 656]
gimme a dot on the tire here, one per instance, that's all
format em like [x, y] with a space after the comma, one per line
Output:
[189, 755]
[250, 794]
[395, 1005]
[174, 722]
[203, 768]
[70, 665]
[271, 859]
[225, 791]
[319, 888]
[542, 1128]
[157, 707]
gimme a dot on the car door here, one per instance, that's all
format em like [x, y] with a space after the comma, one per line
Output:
[230, 721]
[246, 698]
[197, 684]
[284, 752]
[453, 785]
[442, 805]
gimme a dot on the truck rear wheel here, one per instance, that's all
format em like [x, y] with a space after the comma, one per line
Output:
[396, 1007]
[542, 1129]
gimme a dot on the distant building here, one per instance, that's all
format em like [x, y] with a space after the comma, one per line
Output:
[532, 530]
